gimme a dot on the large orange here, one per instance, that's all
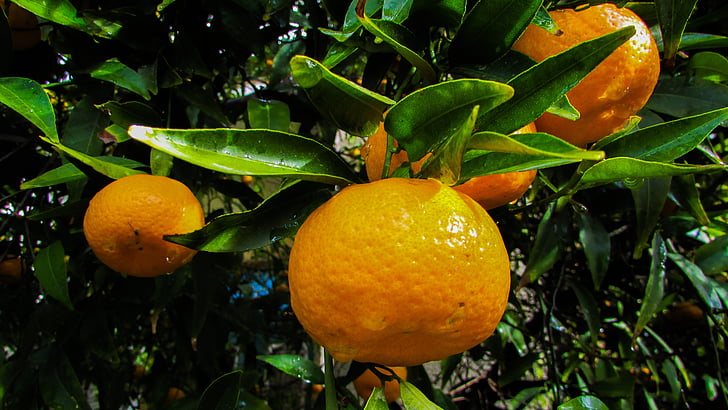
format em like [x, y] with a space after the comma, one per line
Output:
[125, 223]
[616, 89]
[368, 380]
[399, 272]
[490, 191]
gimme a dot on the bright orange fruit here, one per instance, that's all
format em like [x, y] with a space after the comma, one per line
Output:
[368, 380]
[399, 272]
[616, 89]
[126, 221]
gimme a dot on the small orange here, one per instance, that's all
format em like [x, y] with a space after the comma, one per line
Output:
[399, 272]
[11, 269]
[174, 394]
[492, 191]
[374, 152]
[368, 380]
[616, 89]
[125, 223]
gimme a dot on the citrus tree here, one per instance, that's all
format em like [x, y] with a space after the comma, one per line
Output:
[615, 245]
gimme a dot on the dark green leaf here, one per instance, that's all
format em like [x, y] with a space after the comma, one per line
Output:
[490, 28]
[680, 97]
[348, 105]
[27, 98]
[277, 217]
[589, 309]
[132, 113]
[59, 384]
[446, 161]
[537, 88]
[122, 76]
[83, 127]
[649, 200]
[584, 403]
[684, 191]
[517, 368]
[710, 66]
[547, 249]
[274, 115]
[249, 152]
[713, 256]
[708, 289]
[700, 41]
[655, 288]
[223, 393]
[204, 99]
[296, 366]
[413, 399]
[622, 168]
[401, 40]
[426, 118]
[597, 246]
[673, 16]
[668, 140]
[50, 269]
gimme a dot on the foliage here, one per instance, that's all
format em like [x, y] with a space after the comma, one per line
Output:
[619, 251]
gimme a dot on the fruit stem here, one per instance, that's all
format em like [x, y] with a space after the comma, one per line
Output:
[330, 389]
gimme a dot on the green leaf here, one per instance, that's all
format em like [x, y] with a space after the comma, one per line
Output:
[622, 168]
[447, 160]
[377, 400]
[517, 368]
[401, 39]
[547, 249]
[69, 172]
[708, 289]
[700, 41]
[50, 269]
[223, 393]
[85, 123]
[682, 97]
[27, 98]
[59, 384]
[131, 113]
[103, 166]
[597, 246]
[296, 366]
[649, 200]
[712, 257]
[119, 74]
[64, 13]
[274, 115]
[279, 216]
[537, 88]
[348, 105]
[249, 152]
[490, 28]
[668, 140]
[684, 191]
[673, 16]
[710, 66]
[413, 399]
[655, 289]
[589, 309]
[584, 403]
[426, 118]
[540, 144]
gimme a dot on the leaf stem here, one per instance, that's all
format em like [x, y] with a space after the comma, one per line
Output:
[330, 389]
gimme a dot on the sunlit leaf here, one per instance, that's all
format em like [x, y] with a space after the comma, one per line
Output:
[377, 400]
[296, 366]
[584, 403]
[69, 172]
[710, 66]
[541, 144]
[446, 162]
[50, 269]
[413, 398]
[426, 118]
[109, 168]
[350, 106]
[249, 152]
[27, 98]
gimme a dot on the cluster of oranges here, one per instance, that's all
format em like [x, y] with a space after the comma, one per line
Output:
[396, 271]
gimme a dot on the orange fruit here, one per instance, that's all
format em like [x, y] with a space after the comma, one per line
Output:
[368, 380]
[11, 269]
[24, 27]
[125, 223]
[616, 89]
[492, 191]
[399, 272]
[174, 394]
